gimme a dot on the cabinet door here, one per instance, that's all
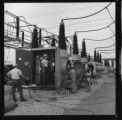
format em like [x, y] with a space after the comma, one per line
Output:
[37, 71]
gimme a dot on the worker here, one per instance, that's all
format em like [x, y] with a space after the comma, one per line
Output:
[68, 64]
[52, 73]
[41, 72]
[73, 77]
[16, 74]
[92, 69]
[45, 63]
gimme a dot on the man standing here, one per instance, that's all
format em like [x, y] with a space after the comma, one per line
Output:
[45, 63]
[92, 69]
[15, 74]
[72, 74]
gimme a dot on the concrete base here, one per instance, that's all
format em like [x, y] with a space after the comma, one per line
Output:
[84, 60]
[76, 57]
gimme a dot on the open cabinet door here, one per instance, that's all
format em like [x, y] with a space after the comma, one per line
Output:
[38, 69]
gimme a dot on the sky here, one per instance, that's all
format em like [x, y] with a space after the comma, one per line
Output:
[49, 15]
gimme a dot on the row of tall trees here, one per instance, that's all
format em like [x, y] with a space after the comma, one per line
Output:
[97, 56]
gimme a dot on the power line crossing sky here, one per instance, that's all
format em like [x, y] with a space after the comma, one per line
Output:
[49, 15]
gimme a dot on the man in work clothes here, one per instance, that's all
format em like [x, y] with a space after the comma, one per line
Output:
[72, 74]
[45, 63]
[92, 69]
[15, 74]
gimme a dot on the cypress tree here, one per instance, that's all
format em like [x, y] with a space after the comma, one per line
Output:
[53, 41]
[97, 58]
[75, 45]
[34, 38]
[62, 41]
[83, 53]
[40, 35]
[95, 55]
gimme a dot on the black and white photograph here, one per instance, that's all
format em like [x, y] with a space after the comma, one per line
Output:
[60, 58]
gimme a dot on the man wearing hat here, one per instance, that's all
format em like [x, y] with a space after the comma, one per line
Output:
[45, 63]
[72, 76]
[16, 74]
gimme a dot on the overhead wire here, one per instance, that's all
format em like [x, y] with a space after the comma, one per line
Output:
[100, 39]
[111, 30]
[105, 46]
[88, 15]
[107, 50]
[80, 22]
[110, 14]
[87, 27]
[96, 29]
[112, 20]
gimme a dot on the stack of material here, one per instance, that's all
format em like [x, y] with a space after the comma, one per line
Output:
[66, 82]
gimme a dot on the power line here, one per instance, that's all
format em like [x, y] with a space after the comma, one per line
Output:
[87, 15]
[86, 27]
[100, 39]
[96, 29]
[106, 46]
[81, 22]
[110, 14]
[111, 30]
[107, 50]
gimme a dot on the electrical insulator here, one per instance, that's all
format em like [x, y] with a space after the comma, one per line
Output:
[22, 38]
[17, 27]
[40, 35]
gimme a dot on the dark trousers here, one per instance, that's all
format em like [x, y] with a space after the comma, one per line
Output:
[92, 73]
[45, 76]
[17, 84]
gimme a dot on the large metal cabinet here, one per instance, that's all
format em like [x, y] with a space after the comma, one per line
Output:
[28, 62]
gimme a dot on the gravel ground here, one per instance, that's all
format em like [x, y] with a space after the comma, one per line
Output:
[45, 107]
[35, 108]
